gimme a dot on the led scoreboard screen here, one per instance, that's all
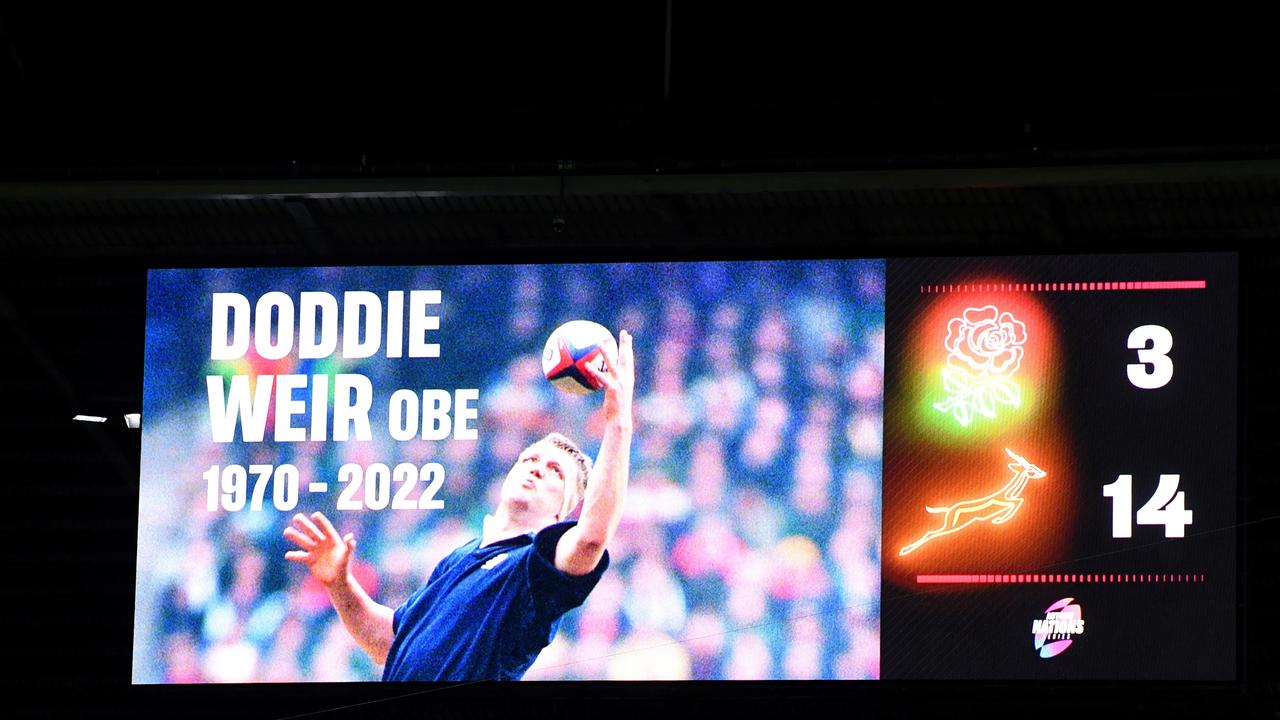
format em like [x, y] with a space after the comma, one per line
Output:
[996, 468]
[1060, 468]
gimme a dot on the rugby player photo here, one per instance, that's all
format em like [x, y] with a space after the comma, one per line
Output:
[494, 603]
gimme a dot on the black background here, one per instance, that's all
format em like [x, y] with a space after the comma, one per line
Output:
[1132, 631]
[235, 136]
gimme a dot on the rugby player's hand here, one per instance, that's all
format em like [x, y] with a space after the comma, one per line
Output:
[326, 554]
[619, 381]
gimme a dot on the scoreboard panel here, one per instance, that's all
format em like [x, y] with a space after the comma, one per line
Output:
[1060, 473]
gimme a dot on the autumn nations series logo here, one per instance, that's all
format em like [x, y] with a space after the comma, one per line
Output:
[1062, 622]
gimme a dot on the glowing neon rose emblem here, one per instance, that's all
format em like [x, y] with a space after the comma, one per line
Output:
[984, 349]
[985, 340]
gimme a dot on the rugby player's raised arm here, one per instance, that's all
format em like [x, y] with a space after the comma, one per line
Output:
[581, 547]
[328, 556]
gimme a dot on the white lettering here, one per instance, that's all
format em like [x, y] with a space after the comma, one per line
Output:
[352, 303]
[270, 325]
[464, 411]
[262, 342]
[287, 407]
[348, 412]
[319, 407]
[420, 322]
[226, 408]
[309, 346]
[435, 414]
[402, 415]
[238, 305]
[395, 323]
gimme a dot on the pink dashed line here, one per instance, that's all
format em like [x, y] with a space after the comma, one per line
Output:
[961, 579]
[1069, 287]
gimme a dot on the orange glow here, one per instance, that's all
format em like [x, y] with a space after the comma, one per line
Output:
[998, 507]
[1037, 374]
[1036, 536]
[931, 460]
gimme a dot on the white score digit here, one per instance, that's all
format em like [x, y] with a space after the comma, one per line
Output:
[1121, 494]
[1166, 507]
[1154, 369]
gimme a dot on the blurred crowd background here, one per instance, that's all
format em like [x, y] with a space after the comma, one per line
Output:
[750, 544]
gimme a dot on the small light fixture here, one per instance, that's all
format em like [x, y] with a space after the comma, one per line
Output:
[133, 420]
[90, 418]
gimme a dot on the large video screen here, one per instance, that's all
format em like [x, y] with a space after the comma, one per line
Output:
[996, 468]
[736, 453]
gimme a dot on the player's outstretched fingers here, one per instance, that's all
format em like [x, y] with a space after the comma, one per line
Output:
[297, 556]
[604, 379]
[301, 522]
[610, 364]
[626, 356]
[329, 530]
[299, 539]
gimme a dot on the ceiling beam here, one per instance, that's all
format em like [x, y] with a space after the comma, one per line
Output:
[657, 184]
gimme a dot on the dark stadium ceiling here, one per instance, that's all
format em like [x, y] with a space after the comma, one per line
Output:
[436, 220]
[354, 137]
[661, 87]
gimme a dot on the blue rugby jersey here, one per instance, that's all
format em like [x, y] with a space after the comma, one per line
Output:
[486, 612]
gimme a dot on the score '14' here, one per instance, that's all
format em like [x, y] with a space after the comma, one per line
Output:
[1166, 507]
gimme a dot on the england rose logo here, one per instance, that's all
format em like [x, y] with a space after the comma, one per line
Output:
[984, 350]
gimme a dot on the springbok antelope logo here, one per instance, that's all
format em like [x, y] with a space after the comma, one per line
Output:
[998, 507]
